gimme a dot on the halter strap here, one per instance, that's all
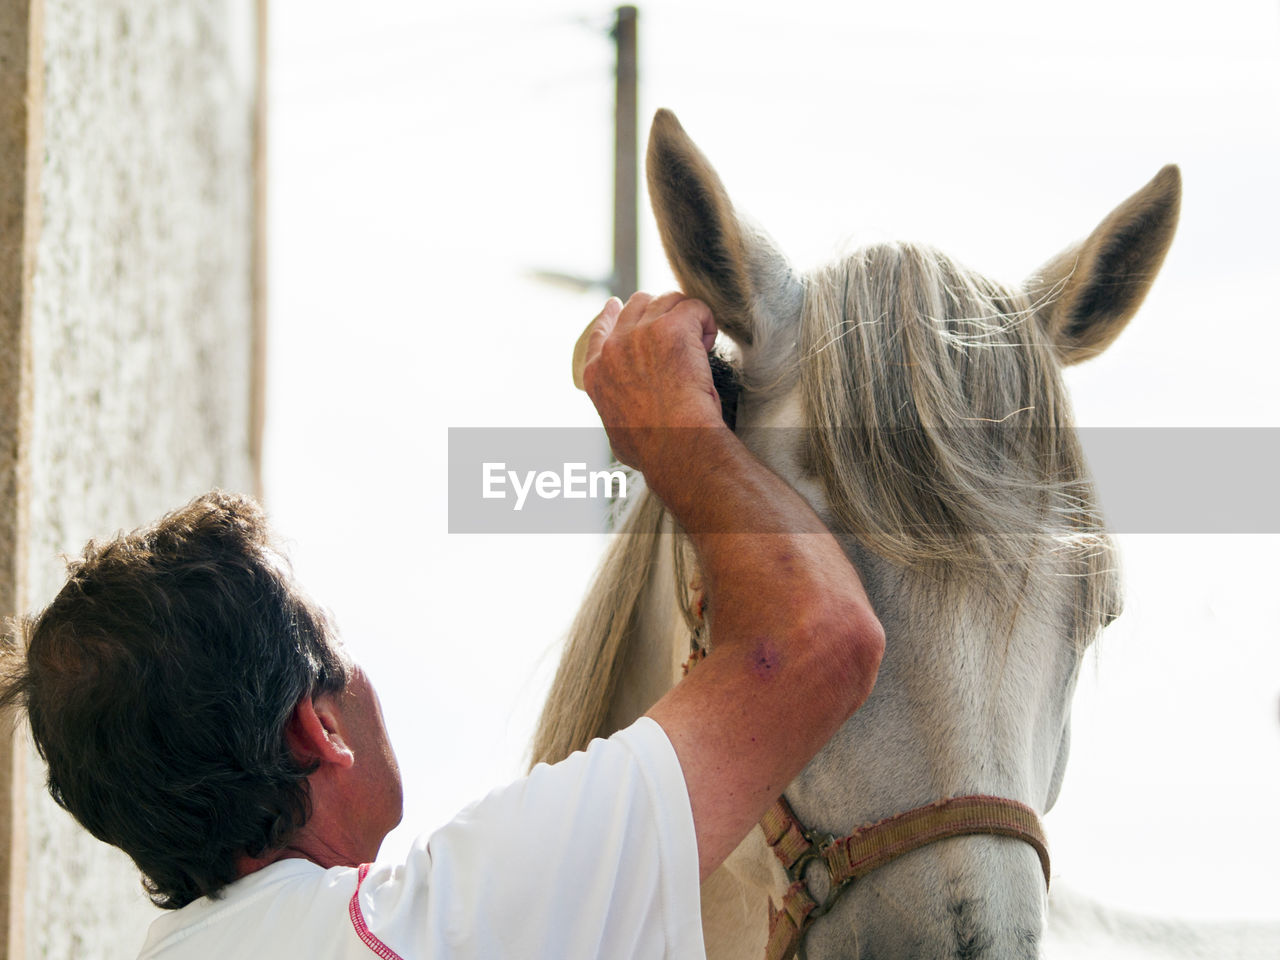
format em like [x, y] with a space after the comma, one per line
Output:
[871, 847]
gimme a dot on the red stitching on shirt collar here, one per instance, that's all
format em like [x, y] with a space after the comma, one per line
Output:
[362, 929]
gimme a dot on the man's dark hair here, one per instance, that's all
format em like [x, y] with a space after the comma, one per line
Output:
[159, 684]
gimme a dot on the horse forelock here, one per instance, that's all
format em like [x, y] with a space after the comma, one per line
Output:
[941, 433]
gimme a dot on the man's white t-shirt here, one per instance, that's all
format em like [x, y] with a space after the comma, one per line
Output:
[593, 857]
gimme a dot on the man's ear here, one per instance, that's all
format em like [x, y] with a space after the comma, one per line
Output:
[314, 733]
[1085, 296]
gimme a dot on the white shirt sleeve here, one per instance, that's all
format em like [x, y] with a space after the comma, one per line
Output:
[594, 857]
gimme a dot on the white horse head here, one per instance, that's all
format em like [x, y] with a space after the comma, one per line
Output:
[918, 407]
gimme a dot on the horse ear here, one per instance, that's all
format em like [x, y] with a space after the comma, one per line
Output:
[732, 266]
[1086, 295]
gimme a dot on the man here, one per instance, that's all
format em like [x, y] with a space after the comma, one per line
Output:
[196, 711]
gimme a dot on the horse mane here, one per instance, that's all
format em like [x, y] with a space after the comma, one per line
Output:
[944, 442]
[577, 706]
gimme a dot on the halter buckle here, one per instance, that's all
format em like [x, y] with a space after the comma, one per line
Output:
[819, 844]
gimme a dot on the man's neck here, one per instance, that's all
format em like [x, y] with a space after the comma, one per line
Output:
[306, 845]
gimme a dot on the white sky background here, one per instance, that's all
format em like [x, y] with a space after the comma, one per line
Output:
[424, 159]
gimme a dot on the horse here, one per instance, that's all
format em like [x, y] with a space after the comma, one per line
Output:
[919, 408]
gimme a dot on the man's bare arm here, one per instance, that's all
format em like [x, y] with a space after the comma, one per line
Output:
[797, 644]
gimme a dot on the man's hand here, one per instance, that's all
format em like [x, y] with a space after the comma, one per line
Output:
[646, 371]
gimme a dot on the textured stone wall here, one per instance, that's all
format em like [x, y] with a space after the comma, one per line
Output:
[140, 334]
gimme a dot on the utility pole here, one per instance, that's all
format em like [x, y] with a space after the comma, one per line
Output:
[625, 279]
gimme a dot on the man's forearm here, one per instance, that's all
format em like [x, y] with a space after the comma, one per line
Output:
[768, 562]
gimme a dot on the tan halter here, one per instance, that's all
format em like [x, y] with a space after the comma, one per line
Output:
[869, 847]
